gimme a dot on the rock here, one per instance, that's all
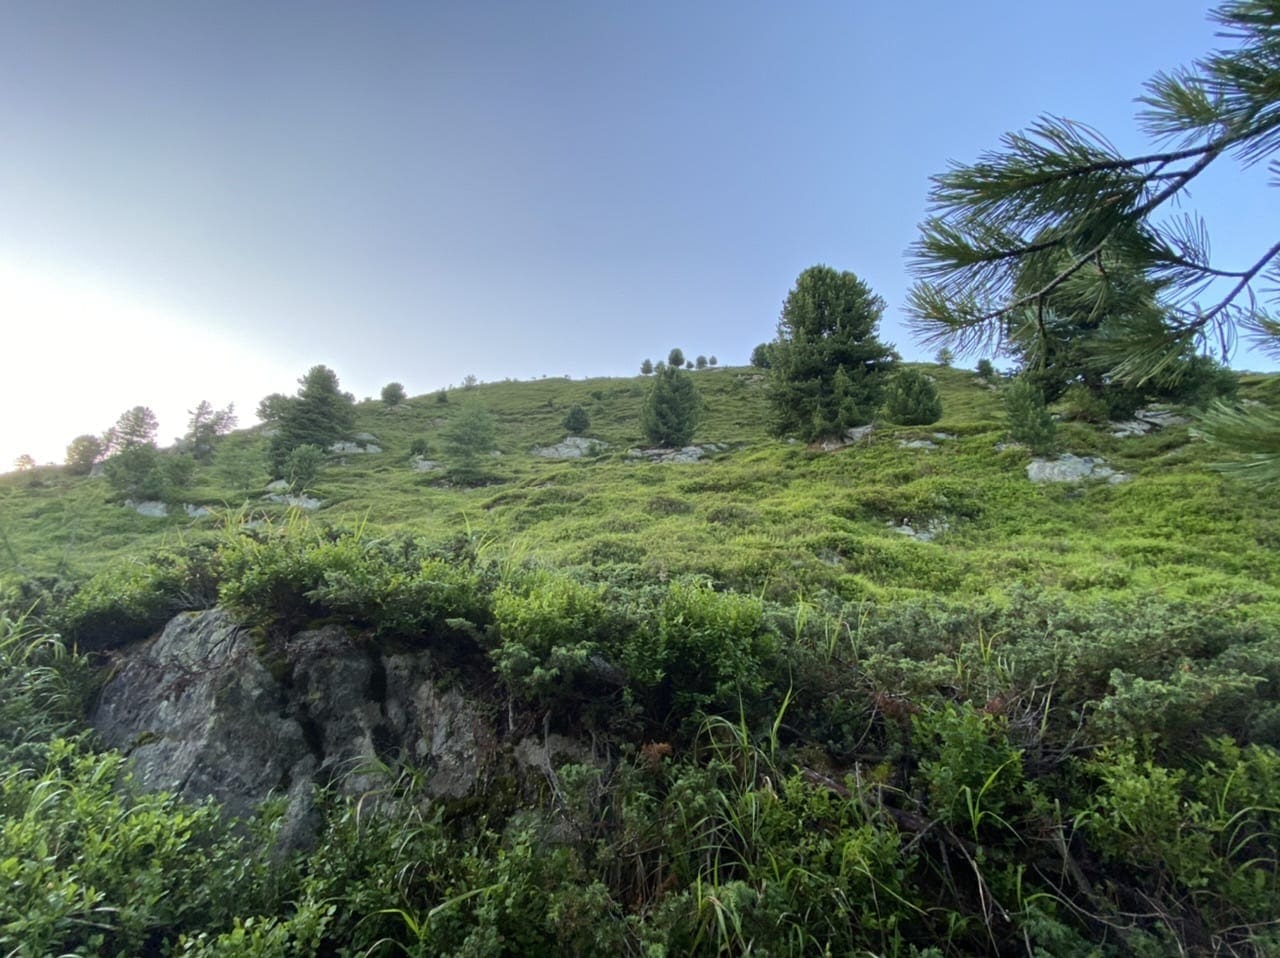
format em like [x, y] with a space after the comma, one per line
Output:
[420, 464]
[943, 436]
[686, 454]
[354, 448]
[572, 447]
[151, 508]
[917, 444]
[1069, 468]
[305, 503]
[931, 530]
[200, 714]
[195, 512]
[280, 485]
[97, 471]
[1145, 421]
[851, 436]
[365, 437]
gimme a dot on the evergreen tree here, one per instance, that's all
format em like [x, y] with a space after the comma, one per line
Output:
[713, 361]
[827, 368]
[319, 415]
[25, 462]
[671, 408]
[273, 408]
[646, 368]
[135, 427]
[761, 356]
[701, 362]
[675, 358]
[470, 436]
[944, 357]
[206, 425]
[393, 394]
[1041, 218]
[1029, 420]
[576, 420]
[911, 399]
[82, 453]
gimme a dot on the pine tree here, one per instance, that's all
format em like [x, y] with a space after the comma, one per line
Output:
[1044, 216]
[911, 399]
[576, 420]
[646, 368]
[319, 415]
[1029, 420]
[466, 439]
[827, 369]
[671, 408]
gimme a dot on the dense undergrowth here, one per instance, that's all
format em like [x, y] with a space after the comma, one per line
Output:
[1051, 731]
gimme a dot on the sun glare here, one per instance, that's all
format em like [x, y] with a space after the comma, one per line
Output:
[81, 352]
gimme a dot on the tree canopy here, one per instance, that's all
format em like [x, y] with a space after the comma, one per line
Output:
[319, 415]
[1043, 218]
[827, 369]
[672, 407]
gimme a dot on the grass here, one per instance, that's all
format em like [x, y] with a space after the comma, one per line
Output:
[765, 516]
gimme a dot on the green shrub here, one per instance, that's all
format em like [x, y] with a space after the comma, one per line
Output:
[128, 601]
[911, 399]
[302, 467]
[550, 631]
[712, 651]
[985, 370]
[1029, 420]
[576, 420]
[393, 394]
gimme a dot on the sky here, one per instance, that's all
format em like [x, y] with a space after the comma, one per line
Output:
[203, 200]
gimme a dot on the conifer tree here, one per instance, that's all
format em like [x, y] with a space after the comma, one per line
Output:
[319, 415]
[1045, 214]
[671, 408]
[827, 369]
[911, 399]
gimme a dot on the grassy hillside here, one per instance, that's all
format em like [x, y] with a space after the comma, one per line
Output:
[763, 516]
[1050, 729]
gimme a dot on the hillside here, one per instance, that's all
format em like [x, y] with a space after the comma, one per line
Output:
[887, 698]
[761, 516]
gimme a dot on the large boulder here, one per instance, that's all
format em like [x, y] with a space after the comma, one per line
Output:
[204, 712]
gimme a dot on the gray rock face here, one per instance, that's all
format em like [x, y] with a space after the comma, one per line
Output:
[921, 532]
[305, 503]
[151, 508]
[424, 465]
[355, 448]
[1145, 421]
[279, 485]
[1069, 468]
[199, 713]
[682, 455]
[572, 447]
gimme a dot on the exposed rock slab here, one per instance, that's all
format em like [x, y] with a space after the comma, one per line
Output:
[1069, 468]
[200, 714]
[683, 455]
[571, 447]
[305, 503]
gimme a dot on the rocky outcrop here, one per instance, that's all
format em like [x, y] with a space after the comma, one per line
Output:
[1069, 468]
[202, 711]
[572, 447]
[684, 454]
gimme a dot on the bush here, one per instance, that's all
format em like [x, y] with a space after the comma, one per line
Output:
[1029, 420]
[985, 370]
[393, 394]
[576, 420]
[550, 629]
[302, 466]
[420, 446]
[911, 399]
[671, 409]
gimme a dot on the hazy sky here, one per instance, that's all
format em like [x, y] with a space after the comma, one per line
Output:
[204, 199]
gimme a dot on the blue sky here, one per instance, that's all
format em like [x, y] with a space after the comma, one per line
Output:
[202, 200]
